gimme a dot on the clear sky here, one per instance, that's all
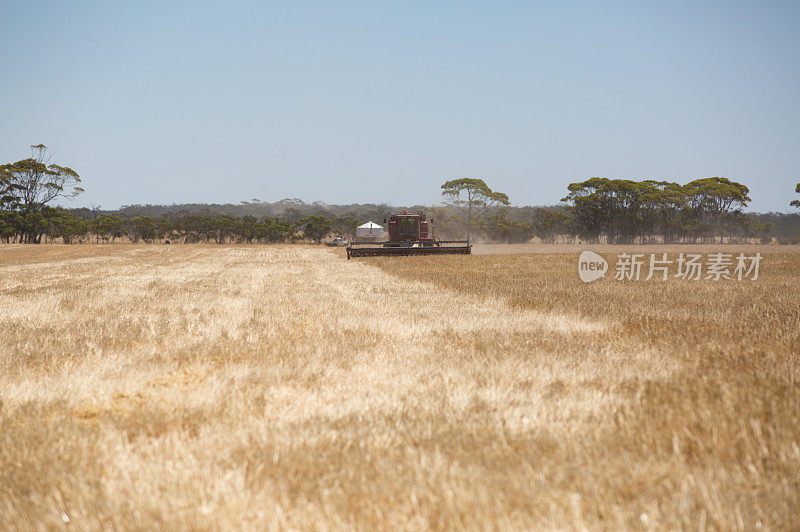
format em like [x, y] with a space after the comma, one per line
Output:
[356, 102]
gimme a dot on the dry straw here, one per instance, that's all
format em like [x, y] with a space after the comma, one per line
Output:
[281, 386]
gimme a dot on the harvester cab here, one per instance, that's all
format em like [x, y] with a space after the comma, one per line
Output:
[409, 234]
[410, 229]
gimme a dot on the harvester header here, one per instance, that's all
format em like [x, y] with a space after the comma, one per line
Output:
[409, 234]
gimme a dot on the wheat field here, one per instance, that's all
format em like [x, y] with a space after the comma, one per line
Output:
[283, 387]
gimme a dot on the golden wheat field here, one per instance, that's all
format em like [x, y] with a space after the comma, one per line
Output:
[284, 387]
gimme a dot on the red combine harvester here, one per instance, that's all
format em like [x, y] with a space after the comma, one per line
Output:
[409, 234]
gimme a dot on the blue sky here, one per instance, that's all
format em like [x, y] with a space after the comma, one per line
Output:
[361, 102]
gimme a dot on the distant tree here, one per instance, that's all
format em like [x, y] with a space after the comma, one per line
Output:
[786, 226]
[345, 226]
[35, 225]
[714, 198]
[549, 224]
[246, 229]
[165, 229]
[142, 228]
[9, 224]
[9, 190]
[472, 199]
[499, 228]
[749, 227]
[30, 184]
[624, 210]
[796, 203]
[226, 228]
[663, 204]
[606, 206]
[37, 183]
[275, 230]
[67, 227]
[315, 227]
[293, 215]
[107, 227]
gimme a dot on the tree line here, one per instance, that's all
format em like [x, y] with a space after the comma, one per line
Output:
[29, 185]
[595, 210]
[609, 210]
[53, 224]
[624, 211]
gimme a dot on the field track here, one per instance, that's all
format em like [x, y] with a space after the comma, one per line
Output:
[283, 386]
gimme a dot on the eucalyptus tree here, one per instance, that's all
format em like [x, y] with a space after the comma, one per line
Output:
[548, 224]
[610, 206]
[345, 225]
[315, 227]
[36, 183]
[9, 224]
[625, 210]
[715, 198]
[796, 203]
[67, 227]
[108, 227]
[472, 199]
[9, 191]
[141, 228]
[30, 184]
[664, 203]
[499, 228]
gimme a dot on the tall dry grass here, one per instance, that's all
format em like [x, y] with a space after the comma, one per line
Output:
[705, 425]
[284, 387]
